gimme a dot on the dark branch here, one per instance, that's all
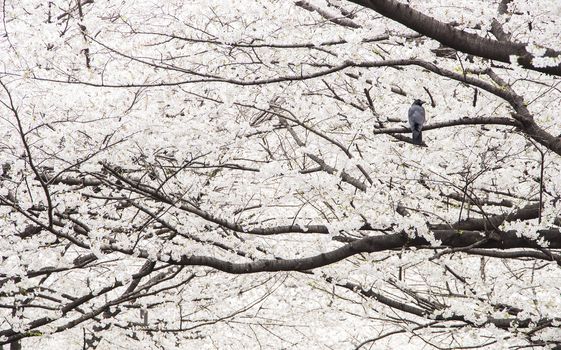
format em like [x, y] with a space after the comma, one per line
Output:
[458, 39]
[449, 238]
[463, 121]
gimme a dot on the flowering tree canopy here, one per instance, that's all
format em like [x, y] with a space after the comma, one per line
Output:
[240, 174]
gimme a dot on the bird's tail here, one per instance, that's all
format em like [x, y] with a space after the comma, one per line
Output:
[417, 137]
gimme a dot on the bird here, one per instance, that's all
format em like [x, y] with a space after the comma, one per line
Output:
[416, 121]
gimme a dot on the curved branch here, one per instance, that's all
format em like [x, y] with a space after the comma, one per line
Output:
[523, 115]
[458, 39]
[503, 323]
[528, 125]
[371, 244]
[340, 20]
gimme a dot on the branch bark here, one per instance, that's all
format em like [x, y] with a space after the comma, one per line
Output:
[371, 244]
[458, 39]
[342, 21]
[463, 121]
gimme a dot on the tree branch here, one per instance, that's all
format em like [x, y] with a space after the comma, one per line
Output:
[449, 238]
[463, 121]
[342, 21]
[458, 39]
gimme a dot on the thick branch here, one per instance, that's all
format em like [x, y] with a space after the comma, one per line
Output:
[449, 238]
[523, 115]
[455, 38]
[488, 223]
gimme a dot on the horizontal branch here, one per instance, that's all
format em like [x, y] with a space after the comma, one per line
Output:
[448, 238]
[528, 212]
[463, 121]
[258, 44]
[517, 254]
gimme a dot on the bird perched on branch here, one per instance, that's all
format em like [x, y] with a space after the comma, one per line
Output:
[416, 121]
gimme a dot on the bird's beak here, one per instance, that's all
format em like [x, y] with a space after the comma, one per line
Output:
[423, 102]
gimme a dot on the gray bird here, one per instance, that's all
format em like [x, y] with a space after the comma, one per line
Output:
[416, 121]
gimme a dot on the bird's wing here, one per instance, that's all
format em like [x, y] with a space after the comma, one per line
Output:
[411, 115]
[416, 115]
